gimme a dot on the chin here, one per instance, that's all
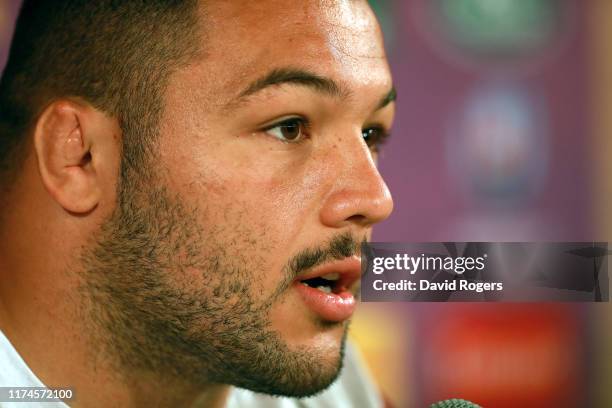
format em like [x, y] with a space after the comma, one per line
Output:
[298, 372]
[308, 380]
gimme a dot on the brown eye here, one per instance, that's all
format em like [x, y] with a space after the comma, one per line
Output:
[374, 136]
[290, 130]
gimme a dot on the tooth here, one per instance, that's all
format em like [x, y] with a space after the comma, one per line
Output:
[325, 289]
[331, 276]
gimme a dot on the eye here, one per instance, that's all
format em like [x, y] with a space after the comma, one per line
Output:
[290, 130]
[374, 136]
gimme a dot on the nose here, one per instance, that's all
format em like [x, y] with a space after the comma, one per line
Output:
[358, 194]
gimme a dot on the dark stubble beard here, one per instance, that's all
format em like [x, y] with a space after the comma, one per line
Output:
[148, 315]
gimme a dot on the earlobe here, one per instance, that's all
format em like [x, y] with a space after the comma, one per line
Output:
[64, 153]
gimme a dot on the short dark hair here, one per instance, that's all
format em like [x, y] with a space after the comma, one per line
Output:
[115, 54]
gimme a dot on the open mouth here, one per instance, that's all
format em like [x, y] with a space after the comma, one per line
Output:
[326, 283]
[328, 289]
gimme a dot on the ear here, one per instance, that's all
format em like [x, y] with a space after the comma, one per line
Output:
[70, 141]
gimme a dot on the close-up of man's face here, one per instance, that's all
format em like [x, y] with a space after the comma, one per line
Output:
[201, 204]
[233, 255]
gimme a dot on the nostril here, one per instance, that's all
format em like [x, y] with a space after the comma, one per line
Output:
[86, 159]
[357, 219]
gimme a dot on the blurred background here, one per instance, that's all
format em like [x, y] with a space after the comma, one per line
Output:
[502, 134]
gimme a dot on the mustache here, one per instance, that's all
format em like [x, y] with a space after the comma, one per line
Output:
[339, 247]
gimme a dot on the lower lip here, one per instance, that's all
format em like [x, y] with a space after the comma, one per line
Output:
[332, 307]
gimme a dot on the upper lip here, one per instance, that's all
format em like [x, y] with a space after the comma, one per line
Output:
[349, 270]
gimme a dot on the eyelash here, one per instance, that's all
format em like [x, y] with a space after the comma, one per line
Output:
[377, 141]
[303, 126]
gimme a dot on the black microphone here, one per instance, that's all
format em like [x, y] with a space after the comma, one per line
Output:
[454, 403]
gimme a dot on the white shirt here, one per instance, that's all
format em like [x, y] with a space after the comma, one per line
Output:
[353, 388]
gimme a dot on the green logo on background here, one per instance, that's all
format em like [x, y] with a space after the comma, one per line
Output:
[500, 26]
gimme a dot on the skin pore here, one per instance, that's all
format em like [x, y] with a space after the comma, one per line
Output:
[160, 286]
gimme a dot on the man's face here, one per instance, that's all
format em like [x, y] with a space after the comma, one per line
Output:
[260, 181]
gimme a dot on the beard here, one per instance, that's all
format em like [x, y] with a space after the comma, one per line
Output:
[166, 295]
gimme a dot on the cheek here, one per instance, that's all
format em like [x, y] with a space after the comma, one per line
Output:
[261, 206]
[276, 195]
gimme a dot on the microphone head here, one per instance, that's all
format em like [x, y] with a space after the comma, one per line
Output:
[454, 403]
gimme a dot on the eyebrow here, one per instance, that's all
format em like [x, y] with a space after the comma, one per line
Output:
[391, 96]
[324, 85]
[298, 77]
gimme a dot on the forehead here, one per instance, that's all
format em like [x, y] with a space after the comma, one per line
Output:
[339, 38]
